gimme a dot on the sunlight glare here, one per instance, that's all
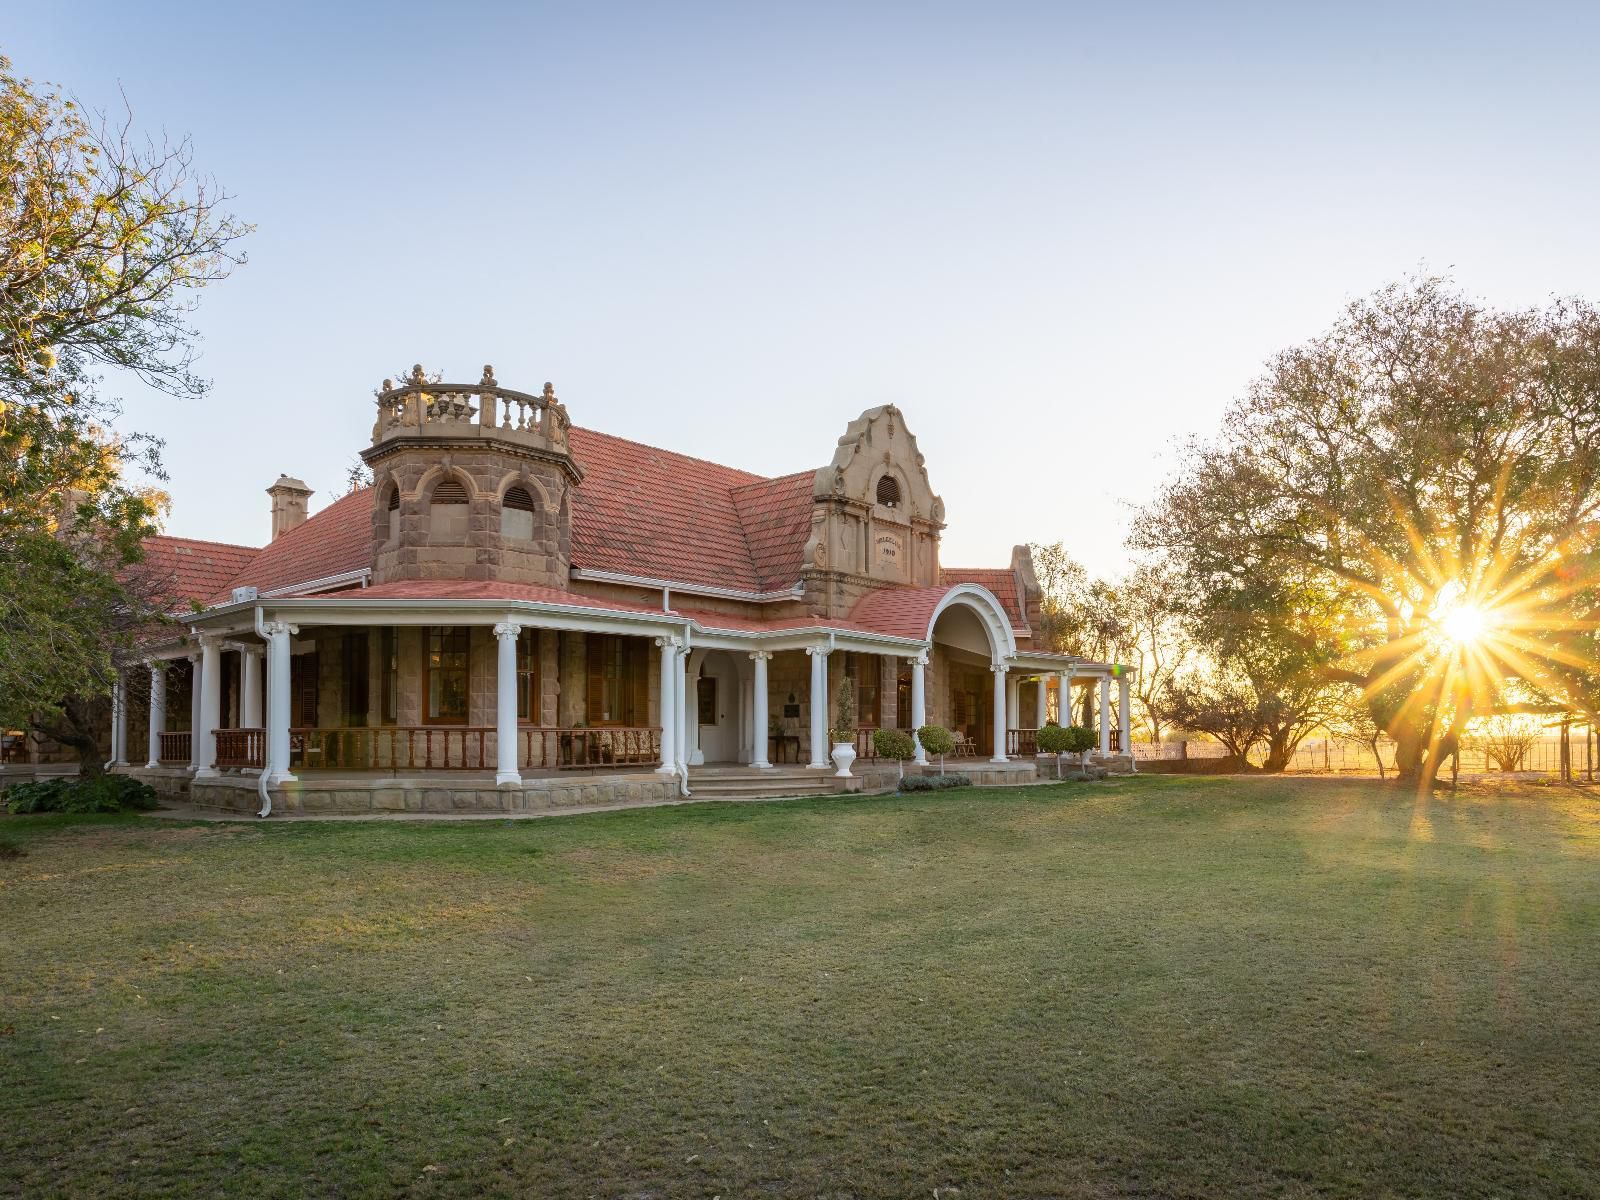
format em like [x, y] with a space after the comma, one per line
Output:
[1463, 624]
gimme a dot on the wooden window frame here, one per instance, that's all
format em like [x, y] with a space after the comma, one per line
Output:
[389, 671]
[464, 633]
[530, 696]
[632, 681]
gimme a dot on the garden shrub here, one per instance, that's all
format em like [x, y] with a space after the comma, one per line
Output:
[102, 794]
[933, 783]
[895, 744]
[936, 739]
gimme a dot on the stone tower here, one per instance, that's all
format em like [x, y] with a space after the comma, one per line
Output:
[471, 481]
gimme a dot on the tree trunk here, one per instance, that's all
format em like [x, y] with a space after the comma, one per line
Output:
[1277, 753]
[78, 731]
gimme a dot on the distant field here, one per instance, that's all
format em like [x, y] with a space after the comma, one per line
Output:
[1156, 987]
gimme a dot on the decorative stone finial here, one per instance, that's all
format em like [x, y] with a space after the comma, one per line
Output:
[416, 374]
[488, 377]
[549, 390]
[388, 385]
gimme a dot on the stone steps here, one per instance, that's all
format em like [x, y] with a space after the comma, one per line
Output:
[748, 782]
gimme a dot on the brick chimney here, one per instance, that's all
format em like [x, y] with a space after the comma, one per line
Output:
[289, 498]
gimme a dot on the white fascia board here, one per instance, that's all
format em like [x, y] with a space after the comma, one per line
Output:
[313, 611]
[688, 589]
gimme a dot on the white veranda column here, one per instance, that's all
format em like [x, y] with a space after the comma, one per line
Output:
[1000, 676]
[505, 713]
[688, 718]
[210, 706]
[919, 704]
[1124, 714]
[669, 703]
[119, 721]
[1013, 702]
[158, 710]
[278, 634]
[758, 710]
[819, 705]
[250, 688]
[195, 676]
[1041, 703]
[1064, 700]
[1105, 715]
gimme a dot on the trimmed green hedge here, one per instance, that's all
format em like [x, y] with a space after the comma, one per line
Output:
[933, 783]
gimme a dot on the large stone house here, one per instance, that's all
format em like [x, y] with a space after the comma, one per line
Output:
[520, 611]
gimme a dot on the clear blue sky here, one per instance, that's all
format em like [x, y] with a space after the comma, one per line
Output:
[1057, 236]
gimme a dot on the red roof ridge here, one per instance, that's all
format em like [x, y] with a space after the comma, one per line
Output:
[176, 537]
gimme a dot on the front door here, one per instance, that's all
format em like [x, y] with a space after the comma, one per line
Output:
[972, 708]
[717, 705]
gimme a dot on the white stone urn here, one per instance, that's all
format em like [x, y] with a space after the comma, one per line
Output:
[843, 755]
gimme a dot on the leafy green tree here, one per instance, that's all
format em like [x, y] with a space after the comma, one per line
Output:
[1426, 476]
[105, 242]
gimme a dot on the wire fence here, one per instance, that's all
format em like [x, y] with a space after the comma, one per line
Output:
[1350, 756]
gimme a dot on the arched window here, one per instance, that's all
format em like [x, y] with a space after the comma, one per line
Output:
[391, 515]
[889, 491]
[447, 511]
[516, 514]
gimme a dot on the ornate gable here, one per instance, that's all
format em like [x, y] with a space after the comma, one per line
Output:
[875, 520]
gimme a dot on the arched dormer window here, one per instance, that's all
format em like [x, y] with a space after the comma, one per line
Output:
[516, 514]
[448, 514]
[889, 491]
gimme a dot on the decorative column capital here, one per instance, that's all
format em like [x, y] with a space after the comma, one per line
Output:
[760, 655]
[210, 641]
[817, 651]
[670, 643]
[158, 668]
[918, 660]
[274, 629]
[507, 629]
[999, 668]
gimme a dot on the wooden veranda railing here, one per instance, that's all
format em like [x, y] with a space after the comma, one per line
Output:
[866, 748]
[237, 748]
[175, 747]
[444, 748]
[1022, 742]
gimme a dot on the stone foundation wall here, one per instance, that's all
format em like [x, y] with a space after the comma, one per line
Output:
[433, 795]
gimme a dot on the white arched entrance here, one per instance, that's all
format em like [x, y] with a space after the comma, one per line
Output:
[972, 629]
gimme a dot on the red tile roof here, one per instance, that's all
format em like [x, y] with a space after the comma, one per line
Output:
[194, 570]
[1002, 581]
[644, 511]
[900, 612]
[776, 517]
[336, 540]
[488, 589]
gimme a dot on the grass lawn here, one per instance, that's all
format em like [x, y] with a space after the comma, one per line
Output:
[1156, 987]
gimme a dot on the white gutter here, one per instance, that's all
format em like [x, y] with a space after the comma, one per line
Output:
[325, 584]
[793, 592]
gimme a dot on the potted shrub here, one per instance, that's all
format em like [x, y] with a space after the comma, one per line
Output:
[895, 744]
[936, 739]
[843, 735]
